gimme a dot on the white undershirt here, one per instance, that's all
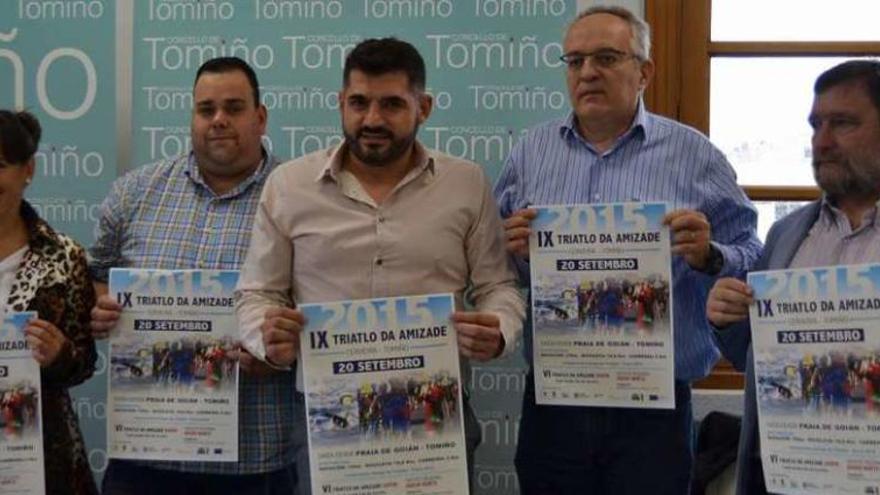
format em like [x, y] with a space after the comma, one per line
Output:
[8, 267]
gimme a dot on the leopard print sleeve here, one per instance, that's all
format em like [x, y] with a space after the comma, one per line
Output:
[77, 363]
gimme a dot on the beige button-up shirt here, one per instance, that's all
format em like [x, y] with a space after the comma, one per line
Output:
[319, 237]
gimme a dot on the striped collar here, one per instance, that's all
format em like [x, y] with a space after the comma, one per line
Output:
[641, 126]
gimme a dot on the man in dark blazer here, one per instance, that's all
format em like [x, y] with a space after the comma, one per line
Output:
[843, 227]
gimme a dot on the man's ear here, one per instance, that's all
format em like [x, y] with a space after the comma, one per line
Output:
[426, 105]
[647, 71]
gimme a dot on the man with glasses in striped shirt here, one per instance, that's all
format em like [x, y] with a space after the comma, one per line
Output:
[611, 149]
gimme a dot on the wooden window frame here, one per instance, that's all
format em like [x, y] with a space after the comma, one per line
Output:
[682, 50]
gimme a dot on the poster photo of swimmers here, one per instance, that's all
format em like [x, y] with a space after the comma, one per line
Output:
[416, 406]
[21, 435]
[602, 305]
[816, 350]
[173, 377]
[383, 396]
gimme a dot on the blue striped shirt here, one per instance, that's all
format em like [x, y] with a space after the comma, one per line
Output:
[657, 159]
[164, 216]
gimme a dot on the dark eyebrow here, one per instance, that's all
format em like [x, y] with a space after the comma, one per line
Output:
[833, 115]
[226, 101]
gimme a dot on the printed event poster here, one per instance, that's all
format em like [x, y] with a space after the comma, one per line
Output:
[602, 306]
[173, 386]
[816, 345]
[383, 397]
[21, 443]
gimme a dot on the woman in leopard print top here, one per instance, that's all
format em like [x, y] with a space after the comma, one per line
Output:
[51, 279]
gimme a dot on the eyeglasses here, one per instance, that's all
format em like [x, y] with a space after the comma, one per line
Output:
[605, 58]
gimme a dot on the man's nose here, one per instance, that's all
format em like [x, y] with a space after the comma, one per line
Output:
[823, 138]
[373, 115]
[220, 118]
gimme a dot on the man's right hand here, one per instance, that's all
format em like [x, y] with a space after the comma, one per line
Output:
[281, 328]
[250, 365]
[517, 231]
[728, 302]
[105, 314]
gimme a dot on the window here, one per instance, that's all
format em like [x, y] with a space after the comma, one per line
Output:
[742, 72]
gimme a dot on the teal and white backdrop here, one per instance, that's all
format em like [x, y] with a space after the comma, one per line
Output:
[111, 83]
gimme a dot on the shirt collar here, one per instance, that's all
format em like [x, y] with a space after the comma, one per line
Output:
[333, 166]
[192, 171]
[641, 126]
[831, 214]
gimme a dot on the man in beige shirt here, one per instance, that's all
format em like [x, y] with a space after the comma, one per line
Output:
[379, 216]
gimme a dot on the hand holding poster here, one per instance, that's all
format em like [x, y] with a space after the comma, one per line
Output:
[383, 395]
[602, 306]
[173, 387]
[816, 345]
[21, 440]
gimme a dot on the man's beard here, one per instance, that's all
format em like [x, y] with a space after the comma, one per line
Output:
[375, 157]
[857, 176]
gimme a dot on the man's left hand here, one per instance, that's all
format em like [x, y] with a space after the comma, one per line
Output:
[479, 334]
[691, 233]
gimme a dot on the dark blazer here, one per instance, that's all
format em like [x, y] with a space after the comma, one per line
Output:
[53, 281]
[735, 342]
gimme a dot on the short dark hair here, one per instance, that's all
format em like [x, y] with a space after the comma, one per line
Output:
[377, 57]
[221, 65]
[19, 136]
[865, 71]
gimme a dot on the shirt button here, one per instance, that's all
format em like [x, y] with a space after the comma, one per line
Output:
[379, 261]
[381, 219]
[596, 197]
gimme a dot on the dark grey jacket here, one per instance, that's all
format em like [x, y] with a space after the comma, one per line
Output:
[735, 341]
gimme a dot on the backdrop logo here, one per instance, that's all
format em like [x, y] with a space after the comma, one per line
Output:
[40, 10]
[17, 65]
[167, 142]
[498, 479]
[402, 9]
[68, 161]
[442, 99]
[520, 8]
[176, 10]
[487, 97]
[497, 379]
[167, 98]
[307, 139]
[89, 408]
[320, 51]
[64, 209]
[488, 51]
[189, 52]
[299, 98]
[98, 459]
[475, 143]
[499, 428]
[297, 9]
